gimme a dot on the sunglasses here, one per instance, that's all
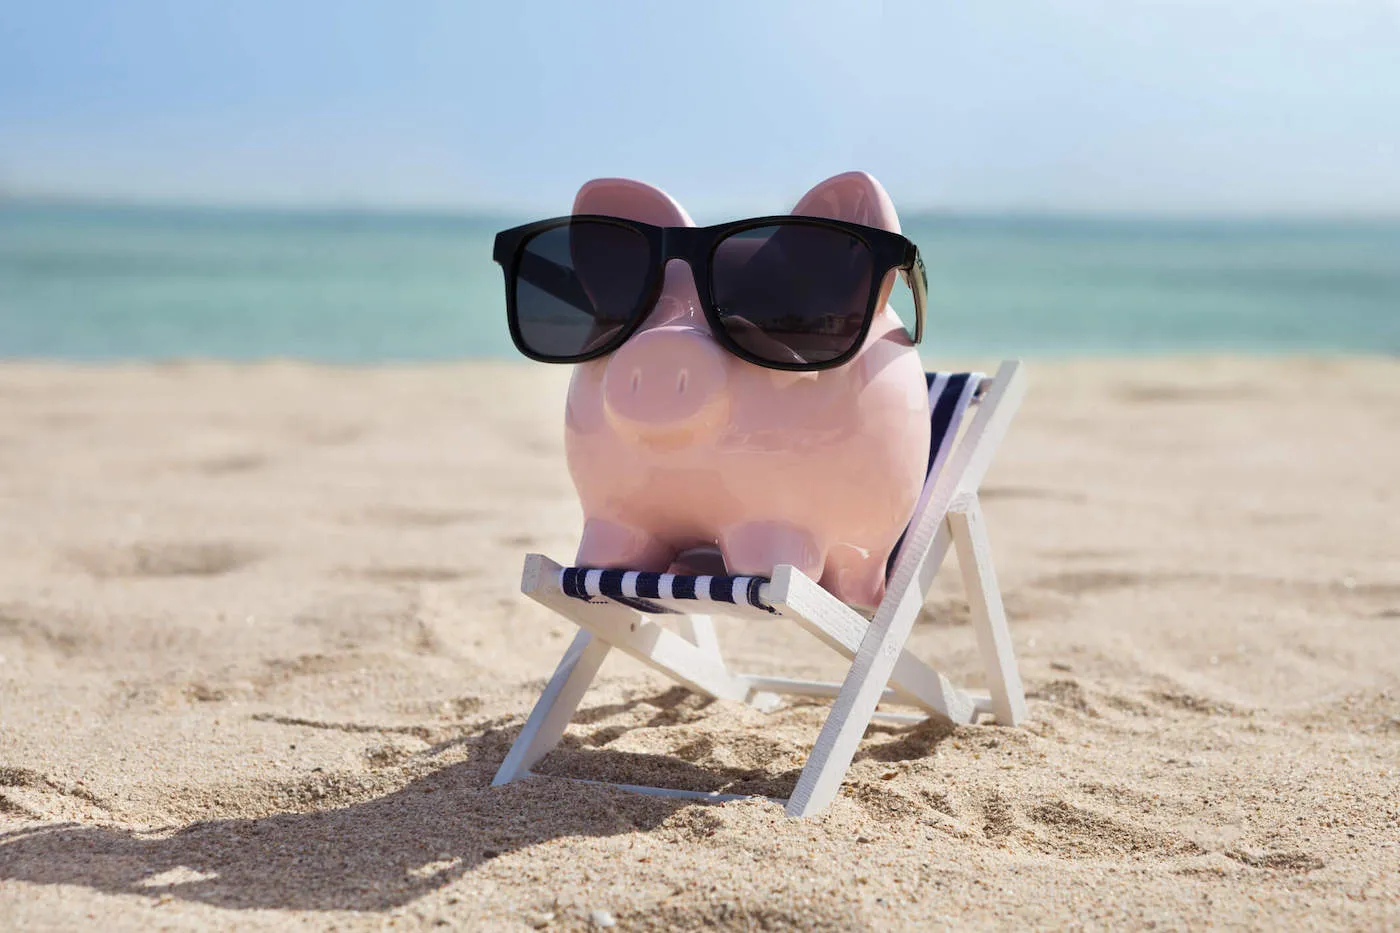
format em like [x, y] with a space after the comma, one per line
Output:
[788, 292]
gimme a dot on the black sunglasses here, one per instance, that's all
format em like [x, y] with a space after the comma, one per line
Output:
[786, 292]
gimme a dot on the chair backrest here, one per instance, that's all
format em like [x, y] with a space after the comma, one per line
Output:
[950, 395]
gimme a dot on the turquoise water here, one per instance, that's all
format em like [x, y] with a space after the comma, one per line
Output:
[95, 283]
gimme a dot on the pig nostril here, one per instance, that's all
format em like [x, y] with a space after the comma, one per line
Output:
[681, 380]
[636, 380]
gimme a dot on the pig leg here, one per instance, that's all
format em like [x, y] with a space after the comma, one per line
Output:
[612, 545]
[855, 576]
[755, 548]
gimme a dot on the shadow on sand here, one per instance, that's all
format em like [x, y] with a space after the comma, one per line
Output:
[385, 852]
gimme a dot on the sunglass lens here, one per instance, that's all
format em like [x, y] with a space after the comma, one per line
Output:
[578, 285]
[793, 293]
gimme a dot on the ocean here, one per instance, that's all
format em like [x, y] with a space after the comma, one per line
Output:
[126, 283]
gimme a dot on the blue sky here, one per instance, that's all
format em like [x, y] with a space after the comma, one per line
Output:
[1182, 106]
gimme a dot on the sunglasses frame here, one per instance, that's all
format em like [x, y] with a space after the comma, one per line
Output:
[696, 246]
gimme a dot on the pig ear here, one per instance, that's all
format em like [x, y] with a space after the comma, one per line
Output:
[853, 196]
[634, 200]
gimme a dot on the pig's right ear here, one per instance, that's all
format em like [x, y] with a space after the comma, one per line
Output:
[854, 196]
[634, 200]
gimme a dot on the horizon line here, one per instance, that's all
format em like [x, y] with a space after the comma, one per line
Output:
[449, 209]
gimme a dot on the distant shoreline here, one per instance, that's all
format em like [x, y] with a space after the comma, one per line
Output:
[1018, 215]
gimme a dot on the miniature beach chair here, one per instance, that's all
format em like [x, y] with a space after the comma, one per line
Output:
[624, 610]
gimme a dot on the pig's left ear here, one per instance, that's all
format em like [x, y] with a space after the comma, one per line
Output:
[853, 196]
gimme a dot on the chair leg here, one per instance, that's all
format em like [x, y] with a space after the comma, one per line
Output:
[556, 706]
[865, 683]
[841, 733]
[699, 630]
[843, 629]
[988, 614]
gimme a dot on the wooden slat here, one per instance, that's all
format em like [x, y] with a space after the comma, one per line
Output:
[554, 708]
[786, 686]
[699, 630]
[708, 796]
[629, 632]
[841, 627]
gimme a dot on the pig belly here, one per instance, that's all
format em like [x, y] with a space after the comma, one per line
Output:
[833, 511]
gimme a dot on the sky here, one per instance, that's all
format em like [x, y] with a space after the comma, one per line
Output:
[1150, 106]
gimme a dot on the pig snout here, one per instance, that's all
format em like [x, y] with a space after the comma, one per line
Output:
[667, 386]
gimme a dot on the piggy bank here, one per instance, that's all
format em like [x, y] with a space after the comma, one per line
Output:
[676, 445]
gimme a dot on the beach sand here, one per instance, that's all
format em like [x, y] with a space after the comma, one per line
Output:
[262, 649]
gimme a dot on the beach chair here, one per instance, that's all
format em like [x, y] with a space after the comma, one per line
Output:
[630, 611]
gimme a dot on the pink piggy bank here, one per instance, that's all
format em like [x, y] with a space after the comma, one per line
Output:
[676, 444]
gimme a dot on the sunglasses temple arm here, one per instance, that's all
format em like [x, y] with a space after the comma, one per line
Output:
[916, 277]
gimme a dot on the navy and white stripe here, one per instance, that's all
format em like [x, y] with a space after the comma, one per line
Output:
[949, 396]
[638, 588]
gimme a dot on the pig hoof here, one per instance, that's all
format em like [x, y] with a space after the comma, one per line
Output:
[757, 547]
[614, 546]
[855, 576]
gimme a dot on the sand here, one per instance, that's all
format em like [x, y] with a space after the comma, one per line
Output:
[262, 648]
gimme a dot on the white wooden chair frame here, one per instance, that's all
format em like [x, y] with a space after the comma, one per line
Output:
[881, 670]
